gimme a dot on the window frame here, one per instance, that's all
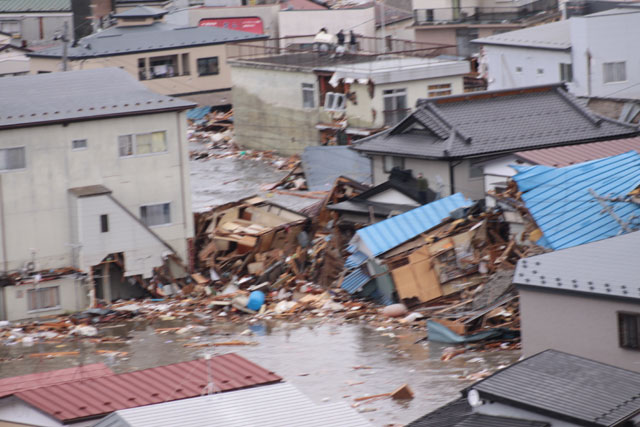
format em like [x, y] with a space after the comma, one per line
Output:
[104, 223]
[308, 88]
[441, 89]
[330, 101]
[393, 158]
[566, 69]
[134, 144]
[621, 337]
[476, 166]
[74, 148]
[394, 95]
[164, 224]
[42, 289]
[612, 64]
[207, 59]
[24, 167]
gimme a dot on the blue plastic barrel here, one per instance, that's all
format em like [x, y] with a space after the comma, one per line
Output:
[256, 299]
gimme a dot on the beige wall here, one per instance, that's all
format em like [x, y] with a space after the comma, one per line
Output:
[71, 291]
[580, 325]
[166, 86]
[307, 22]
[35, 199]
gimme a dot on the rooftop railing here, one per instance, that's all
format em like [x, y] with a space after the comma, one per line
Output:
[484, 15]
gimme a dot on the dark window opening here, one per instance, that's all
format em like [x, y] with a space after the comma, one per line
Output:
[208, 66]
[104, 223]
[629, 330]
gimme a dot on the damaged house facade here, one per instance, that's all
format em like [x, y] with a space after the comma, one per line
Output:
[449, 139]
[288, 99]
[94, 187]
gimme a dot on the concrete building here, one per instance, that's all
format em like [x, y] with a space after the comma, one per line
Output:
[94, 181]
[295, 23]
[584, 300]
[456, 22]
[35, 21]
[188, 62]
[449, 139]
[287, 102]
[13, 59]
[589, 52]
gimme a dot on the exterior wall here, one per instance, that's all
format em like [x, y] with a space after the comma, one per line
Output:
[446, 34]
[393, 196]
[580, 325]
[502, 62]
[400, 30]
[307, 22]
[463, 182]
[30, 25]
[13, 62]
[15, 410]
[35, 199]
[268, 112]
[72, 293]
[605, 39]
[434, 171]
[183, 84]
[369, 112]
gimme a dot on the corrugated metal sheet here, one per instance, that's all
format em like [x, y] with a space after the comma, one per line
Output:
[15, 6]
[270, 406]
[557, 383]
[322, 165]
[355, 280]
[384, 235]
[608, 267]
[100, 396]
[572, 154]
[25, 382]
[560, 202]
[355, 260]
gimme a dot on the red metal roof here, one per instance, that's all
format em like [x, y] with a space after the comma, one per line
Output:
[25, 382]
[93, 398]
[571, 154]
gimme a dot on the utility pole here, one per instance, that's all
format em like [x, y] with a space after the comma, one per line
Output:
[382, 28]
[65, 47]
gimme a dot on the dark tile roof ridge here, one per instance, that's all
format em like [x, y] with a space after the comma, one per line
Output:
[469, 96]
[453, 129]
[432, 122]
[564, 94]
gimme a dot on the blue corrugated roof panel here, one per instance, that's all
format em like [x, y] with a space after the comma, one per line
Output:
[355, 280]
[387, 234]
[560, 202]
[355, 260]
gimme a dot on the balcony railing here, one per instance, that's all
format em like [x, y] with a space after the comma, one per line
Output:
[470, 15]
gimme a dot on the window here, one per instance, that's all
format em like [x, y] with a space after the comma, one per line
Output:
[334, 101]
[208, 66]
[615, 72]
[161, 66]
[142, 68]
[43, 298]
[104, 223]
[308, 95]
[629, 330]
[540, 71]
[395, 105]
[391, 162]
[79, 144]
[566, 72]
[429, 16]
[142, 143]
[476, 170]
[10, 27]
[518, 69]
[156, 214]
[439, 90]
[12, 158]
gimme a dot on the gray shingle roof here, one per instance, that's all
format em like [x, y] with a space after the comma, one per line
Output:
[158, 36]
[18, 6]
[568, 387]
[78, 95]
[459, 414]
[141, 12]
[606, 267]
[494, 122]
[554, 36]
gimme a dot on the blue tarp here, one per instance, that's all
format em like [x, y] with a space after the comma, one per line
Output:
[385, 235]
[198, 112]
[561, 205]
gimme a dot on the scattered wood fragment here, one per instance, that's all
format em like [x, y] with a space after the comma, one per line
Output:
[55, 354]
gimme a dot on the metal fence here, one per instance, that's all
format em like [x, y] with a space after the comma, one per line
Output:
[483, 14]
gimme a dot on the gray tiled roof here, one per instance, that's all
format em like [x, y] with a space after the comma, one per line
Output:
[459, 414]
[564, 386]
[606, 267]
[141, 12]
[158, 36]
[494, 122]
[22, 6]
[555, 36]
[77, 95]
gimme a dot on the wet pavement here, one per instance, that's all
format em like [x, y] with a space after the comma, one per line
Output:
[318, 358]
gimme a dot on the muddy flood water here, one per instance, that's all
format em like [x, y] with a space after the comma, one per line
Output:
[328, 361]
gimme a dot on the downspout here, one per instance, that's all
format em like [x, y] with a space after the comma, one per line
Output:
[183, 190]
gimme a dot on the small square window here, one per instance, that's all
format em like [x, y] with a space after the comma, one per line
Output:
[391, 162]
[614, 72]
[334, 101]
[308, 95]
[12, 158]
[629, 330]
[518, 69]
[159, 214]
[79, 144]
[104, 223]
[540, 71]
[208, 66]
